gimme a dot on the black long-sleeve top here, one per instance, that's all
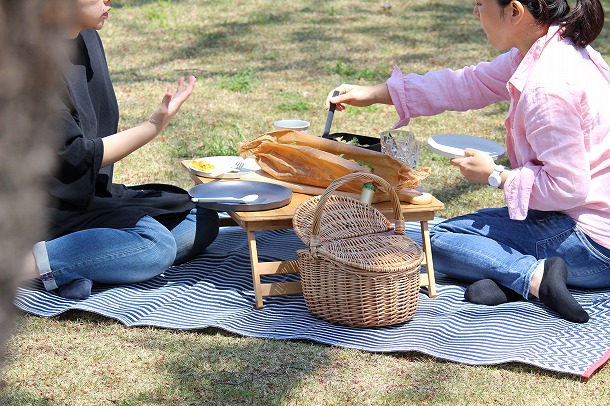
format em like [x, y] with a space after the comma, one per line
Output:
[83, 194]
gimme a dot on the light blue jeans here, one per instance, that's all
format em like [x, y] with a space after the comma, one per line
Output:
[128, 255]
[488, 244]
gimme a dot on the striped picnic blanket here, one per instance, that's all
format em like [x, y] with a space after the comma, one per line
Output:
[215, 290]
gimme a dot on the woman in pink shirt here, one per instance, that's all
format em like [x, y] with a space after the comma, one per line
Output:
[555, 230]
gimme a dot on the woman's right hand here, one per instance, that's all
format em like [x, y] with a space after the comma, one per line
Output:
[359, 96]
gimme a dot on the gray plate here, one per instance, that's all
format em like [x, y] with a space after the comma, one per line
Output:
[270, 195]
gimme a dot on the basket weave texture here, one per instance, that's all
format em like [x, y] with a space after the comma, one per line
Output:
[360, 269]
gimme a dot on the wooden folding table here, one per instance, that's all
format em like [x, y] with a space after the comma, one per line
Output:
[281, 218]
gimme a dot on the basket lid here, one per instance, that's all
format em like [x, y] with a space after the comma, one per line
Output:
[374, 253]
[343, 217]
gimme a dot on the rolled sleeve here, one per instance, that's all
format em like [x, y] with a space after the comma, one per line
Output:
[398, 94]
[518, 189]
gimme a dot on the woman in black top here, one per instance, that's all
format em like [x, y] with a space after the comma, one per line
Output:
[101, 231]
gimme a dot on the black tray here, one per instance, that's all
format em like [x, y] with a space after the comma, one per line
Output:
[365, 142]
[270, 195]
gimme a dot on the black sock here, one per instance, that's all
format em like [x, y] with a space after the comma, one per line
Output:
[77, 289]
[554, 293]
[487, 292]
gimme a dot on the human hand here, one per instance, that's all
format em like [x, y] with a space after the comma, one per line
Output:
[476, 166]
[359, 96]
[171, 103]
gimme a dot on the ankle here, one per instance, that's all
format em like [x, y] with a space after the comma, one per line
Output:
[537, 279]
[29, 270]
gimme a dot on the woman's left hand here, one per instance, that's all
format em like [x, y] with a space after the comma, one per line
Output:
[476, 166]
[171, 103]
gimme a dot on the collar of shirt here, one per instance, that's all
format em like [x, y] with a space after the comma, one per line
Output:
[523, 63]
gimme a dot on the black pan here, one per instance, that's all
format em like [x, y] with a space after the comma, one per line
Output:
[371, 143]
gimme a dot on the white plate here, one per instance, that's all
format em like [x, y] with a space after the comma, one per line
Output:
[223, 165]
[453, 145]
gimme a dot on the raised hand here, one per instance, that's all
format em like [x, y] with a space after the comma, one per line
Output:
[171, 103]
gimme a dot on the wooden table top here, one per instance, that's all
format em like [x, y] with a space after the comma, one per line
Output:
[411, 212]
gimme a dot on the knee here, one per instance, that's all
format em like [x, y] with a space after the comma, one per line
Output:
[159, 249]
[196, 233]
[436, 231]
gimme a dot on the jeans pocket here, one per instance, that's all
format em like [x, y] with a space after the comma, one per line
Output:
[596, 251]
[589, 266]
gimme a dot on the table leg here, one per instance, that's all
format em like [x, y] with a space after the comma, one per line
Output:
[256, 277]
[270, 268]
[427, 279]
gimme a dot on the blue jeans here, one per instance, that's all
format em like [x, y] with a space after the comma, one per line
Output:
[128, 255]
[488, 244]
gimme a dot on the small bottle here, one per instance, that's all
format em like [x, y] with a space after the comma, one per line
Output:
[368, 190]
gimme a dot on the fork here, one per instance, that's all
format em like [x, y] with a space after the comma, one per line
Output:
[237, 166]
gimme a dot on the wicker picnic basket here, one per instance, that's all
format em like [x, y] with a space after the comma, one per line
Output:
[359, 269]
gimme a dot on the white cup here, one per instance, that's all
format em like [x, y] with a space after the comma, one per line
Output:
[296, 125]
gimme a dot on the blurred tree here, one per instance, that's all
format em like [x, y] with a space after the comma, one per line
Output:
[30, 60]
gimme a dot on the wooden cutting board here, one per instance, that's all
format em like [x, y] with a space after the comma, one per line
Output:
[406, 195]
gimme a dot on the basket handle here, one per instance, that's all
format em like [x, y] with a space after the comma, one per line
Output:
[399, 225]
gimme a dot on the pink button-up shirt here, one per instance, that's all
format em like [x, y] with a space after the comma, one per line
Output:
[558, 124]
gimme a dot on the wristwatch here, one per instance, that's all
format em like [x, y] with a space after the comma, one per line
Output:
[495, 179]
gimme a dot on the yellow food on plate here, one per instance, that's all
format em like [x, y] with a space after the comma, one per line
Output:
[202, 165]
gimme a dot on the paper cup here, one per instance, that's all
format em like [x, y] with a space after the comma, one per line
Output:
[296, 125]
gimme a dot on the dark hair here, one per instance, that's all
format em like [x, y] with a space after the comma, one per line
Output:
[582, 25]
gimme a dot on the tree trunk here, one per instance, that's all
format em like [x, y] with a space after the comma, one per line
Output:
[30, 43]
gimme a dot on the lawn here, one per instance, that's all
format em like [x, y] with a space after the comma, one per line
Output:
[258, 61]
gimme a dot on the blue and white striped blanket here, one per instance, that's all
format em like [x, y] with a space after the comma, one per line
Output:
[215, 290]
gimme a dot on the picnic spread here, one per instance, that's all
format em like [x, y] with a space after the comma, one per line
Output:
[281, 168]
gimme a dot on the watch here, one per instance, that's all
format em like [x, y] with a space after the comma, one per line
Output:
[495, 179]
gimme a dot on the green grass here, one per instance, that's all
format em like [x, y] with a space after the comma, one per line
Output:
[257, 62]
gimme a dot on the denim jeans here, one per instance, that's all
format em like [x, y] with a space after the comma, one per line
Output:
[128, 255]
[488, 244]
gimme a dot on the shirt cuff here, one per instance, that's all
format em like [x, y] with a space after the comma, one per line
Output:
[398, 94]
[518, 189]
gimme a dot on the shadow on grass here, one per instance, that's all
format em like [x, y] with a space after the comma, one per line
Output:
[314, 31]
[212, 366]
[17, 397]
[438, 25]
